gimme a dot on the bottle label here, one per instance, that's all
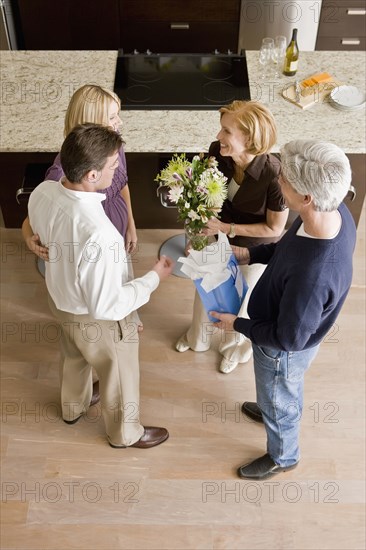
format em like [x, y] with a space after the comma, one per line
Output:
[293, 66]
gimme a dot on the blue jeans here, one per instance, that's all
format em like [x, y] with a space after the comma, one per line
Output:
[279, 379]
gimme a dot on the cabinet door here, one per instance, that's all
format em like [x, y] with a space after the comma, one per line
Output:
[358, 165]
[342, 25]
[177, 10]
[15, 175]
[331, 43]
[338, 18]
[148, 211]
[69, 24]
[173, 26]
[179, 37]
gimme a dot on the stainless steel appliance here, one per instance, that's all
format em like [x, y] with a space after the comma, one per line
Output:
[8, 36]
[262, 18]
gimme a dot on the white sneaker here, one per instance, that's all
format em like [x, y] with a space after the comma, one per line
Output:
[227, 366]
[182, 344]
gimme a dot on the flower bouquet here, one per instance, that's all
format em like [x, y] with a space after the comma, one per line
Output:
[198, 189]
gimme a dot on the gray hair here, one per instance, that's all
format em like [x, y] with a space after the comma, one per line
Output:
[319, 169]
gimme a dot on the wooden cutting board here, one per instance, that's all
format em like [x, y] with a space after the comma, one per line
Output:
[318, 95]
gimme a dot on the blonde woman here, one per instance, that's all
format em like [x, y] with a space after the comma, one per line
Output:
[101, 106]
[253, 213]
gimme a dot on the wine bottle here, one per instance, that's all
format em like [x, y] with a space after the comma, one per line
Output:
[292, 56]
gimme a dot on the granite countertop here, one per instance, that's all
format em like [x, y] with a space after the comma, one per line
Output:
[36, 87]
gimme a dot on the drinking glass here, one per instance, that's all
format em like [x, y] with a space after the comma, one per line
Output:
[265, 56]
[278, 54]
[268, 42]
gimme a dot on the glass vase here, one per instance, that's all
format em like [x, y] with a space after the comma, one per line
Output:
[197, 240]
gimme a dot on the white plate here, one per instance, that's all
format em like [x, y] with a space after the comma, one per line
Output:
[348, 97]
[342, 108]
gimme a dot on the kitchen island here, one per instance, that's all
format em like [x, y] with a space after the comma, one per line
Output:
[36, 88]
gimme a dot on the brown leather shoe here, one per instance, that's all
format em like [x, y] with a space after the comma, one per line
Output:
[72, 421]
[96, 396]
[151, 437]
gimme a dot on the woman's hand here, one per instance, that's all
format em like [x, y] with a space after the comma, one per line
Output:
[131, 239]
[34, 244]
[214, 225]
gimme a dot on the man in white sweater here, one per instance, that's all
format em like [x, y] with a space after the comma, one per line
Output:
[88, 286]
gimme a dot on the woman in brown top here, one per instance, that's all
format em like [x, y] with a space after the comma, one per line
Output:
[253, 213]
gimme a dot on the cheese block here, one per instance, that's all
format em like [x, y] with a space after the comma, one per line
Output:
[307, 83]
[322, 77]
[315, 83]
[316, 79]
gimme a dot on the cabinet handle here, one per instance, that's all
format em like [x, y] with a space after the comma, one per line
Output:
[179, 26]
[356, 12]
[350, 41]
[23, 191]
[163, 194]
[351, 195]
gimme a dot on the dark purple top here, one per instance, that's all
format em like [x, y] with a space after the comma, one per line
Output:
[114, 205]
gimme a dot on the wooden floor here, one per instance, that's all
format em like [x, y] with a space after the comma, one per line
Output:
[64, 487]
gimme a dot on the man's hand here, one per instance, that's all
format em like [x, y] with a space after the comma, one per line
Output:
[34, 244]
[164, 267]
[241, 254]
[226, 320]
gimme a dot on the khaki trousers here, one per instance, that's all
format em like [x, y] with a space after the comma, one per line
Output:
[111, 347]
[233, 345]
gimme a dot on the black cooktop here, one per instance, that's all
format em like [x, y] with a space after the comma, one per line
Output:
[180, 81]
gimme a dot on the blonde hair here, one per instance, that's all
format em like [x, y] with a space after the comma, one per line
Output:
[257, 124]
[89, 103]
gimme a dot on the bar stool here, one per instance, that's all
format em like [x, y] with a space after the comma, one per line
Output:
[174, 247]
[33, 175]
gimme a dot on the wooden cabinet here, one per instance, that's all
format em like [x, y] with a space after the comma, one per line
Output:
[149, 213]
[26, 170]
[13, 168]
[342, 25]
[162, 26]
[142, 169]
[358, 166]
[68, 24]
[173, 26]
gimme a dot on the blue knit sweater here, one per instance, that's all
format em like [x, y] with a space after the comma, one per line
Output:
[299, 296]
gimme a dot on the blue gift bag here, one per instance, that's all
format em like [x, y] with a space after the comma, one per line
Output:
[228, 297]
